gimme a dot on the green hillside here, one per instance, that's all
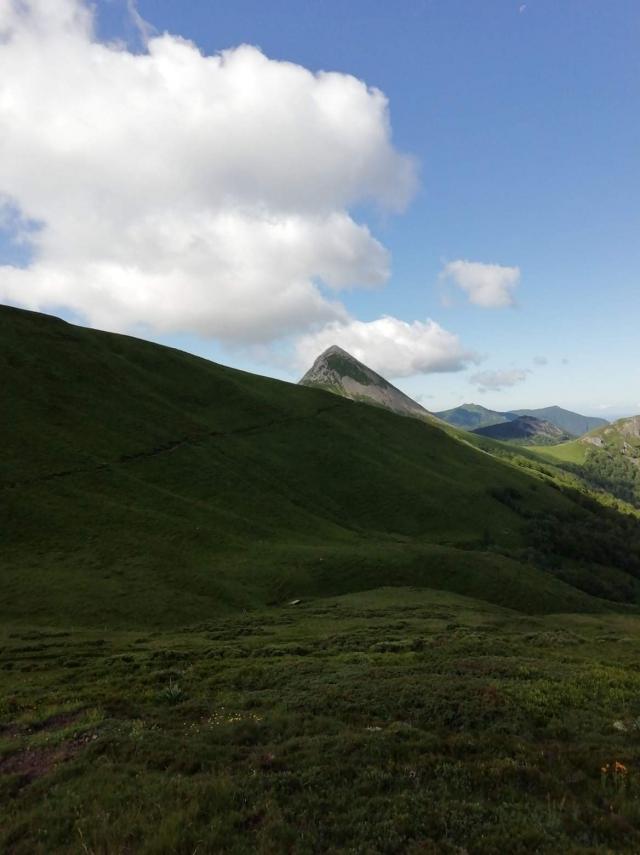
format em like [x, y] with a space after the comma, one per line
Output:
[573, 451]
[144, 485]
[608, 458]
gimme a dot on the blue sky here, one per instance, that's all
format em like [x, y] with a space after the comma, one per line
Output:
[523, 119]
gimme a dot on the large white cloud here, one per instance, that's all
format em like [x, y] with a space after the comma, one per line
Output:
[488, 285]
[392, 347]
[206, 194]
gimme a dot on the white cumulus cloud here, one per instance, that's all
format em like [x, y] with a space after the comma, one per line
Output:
[494, 381]
[206, 194]
[392, 347]
[488, 285]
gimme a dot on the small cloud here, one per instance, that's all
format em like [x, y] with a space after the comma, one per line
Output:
[540, 360]
[490, 286]
[494, 381]
[522, 8]
[565, 361]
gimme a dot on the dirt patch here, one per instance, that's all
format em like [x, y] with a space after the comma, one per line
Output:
[9, 731]
[32, 763]
[57, 721]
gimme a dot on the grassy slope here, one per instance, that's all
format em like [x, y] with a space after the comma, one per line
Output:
[565, 452]
[145, 485]
[394, 721]
[613, 465]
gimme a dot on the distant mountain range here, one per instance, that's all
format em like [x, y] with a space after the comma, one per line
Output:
[473, 416]
[525, 430]
[337, 371]
[571, 423]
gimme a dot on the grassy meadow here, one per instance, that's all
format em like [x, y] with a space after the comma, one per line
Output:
[396, 720]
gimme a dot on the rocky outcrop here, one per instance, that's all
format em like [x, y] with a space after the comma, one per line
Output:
[337, 371]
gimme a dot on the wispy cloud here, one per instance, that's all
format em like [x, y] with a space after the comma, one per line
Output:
[144, 28]
[494, 381]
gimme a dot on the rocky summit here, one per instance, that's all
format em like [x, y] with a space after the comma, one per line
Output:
[337, 371]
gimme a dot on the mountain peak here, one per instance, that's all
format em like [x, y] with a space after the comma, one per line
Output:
[335, 348]
[339, 372]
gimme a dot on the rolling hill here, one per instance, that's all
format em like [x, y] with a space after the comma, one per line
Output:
[524, 430]
[143, 485]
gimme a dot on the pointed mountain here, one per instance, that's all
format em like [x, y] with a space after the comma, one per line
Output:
[337, 371]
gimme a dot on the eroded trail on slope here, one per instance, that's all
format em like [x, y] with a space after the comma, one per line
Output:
[166, 448]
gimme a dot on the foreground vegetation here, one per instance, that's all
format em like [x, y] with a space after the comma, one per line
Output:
[398, 720]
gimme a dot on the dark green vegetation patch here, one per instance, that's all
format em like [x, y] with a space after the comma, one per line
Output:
[394, 721]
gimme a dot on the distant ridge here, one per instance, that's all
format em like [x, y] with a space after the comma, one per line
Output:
[337, 371]
[474, 416]
[573, 424]
[525, 430]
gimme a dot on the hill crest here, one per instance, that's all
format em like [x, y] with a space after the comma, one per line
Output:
[524, 430]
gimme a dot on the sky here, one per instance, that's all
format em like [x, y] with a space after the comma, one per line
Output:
[448, 189]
